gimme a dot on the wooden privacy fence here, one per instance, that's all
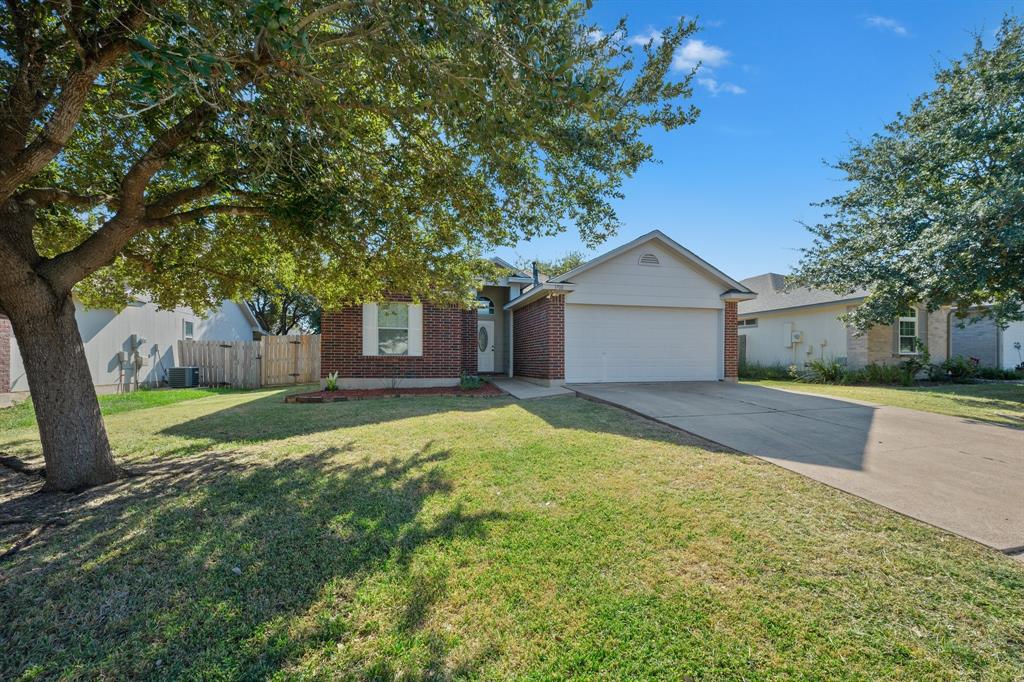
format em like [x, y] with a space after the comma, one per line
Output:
[290, 360]
[272, 361]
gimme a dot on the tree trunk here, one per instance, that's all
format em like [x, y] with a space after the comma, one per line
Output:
[75, 444]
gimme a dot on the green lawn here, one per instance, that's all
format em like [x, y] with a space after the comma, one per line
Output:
[480, 538]
[21, 414]
[998, 403]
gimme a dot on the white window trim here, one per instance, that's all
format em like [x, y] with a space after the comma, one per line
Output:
[186, 335]
[370, 337]
[747, 324]
[900, 335]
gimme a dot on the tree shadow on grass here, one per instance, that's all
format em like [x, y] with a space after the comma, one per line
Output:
[219, 568]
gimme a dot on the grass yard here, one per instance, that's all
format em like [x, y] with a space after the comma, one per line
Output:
[997, 403]
[21, 414]
[451, 537]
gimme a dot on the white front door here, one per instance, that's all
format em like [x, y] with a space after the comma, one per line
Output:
[485, 346]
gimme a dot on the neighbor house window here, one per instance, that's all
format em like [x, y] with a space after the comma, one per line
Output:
[484, 306]
[393, 329]
[907, 329]
[186, 329]
[750, 322]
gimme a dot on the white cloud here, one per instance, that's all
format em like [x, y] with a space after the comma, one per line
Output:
[886, 24]
[716, 88]
[697, 51]
[594, 35]
[651, 36]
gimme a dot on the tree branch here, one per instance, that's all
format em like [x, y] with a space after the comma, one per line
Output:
[167, 203]
[196, 213]
[44, 196]
[109, 45]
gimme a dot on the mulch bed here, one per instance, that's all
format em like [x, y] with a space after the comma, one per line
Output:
[487, 390]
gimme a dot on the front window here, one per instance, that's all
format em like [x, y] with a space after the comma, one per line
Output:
[484, 306]
[907, 324]
[749, 322]
[393, 329]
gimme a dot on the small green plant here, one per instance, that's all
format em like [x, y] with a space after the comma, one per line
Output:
[914, 364]
[331, 383]
[470, 382]
[829, 371]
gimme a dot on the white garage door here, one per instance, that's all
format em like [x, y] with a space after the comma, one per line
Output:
[633, 343]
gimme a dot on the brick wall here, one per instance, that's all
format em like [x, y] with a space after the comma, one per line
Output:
[468, 341]
[732, 348]
[538, 332]
[446, 330]
[5, 354]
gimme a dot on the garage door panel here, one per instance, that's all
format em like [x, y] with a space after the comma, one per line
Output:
[635, 343]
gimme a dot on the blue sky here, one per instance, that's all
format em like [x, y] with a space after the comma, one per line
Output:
[784, 89]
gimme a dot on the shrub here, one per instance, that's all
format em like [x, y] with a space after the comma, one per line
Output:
[819, 372]
[960, 368]
[999, 374]
[331, 383]
[756, 372]
[469, 382]
[914, 364]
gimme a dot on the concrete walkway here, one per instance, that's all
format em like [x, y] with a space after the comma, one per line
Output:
[963, 476]
[524, 390]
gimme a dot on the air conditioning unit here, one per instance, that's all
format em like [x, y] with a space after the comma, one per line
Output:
[183, 377]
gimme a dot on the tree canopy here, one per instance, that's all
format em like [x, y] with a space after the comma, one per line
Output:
[555, 266]
[935, 211]
[192, 150]
[281, 311]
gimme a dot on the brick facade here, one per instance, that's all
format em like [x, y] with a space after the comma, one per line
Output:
[449, 347]
[538, 342]
[732, 347]
[5, 354]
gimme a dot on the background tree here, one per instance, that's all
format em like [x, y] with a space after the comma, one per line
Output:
[280, 310]
[556, 266]
[195, 150]
[936, 208]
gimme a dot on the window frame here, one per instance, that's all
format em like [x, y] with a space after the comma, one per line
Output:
[749, 323]
[406, 329]
[910, 318]
[188, 330]
[484, 309]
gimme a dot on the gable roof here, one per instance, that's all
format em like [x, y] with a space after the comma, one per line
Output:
[514, 272]
[773, 295]
[674, 246]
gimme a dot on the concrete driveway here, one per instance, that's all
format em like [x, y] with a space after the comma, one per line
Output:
[959, 475]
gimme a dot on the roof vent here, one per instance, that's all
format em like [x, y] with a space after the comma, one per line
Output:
[649, 259]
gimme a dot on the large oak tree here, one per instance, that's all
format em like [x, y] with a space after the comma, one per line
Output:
[192, 151]
[935, 206]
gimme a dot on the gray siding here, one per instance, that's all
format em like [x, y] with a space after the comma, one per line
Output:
[978, 340]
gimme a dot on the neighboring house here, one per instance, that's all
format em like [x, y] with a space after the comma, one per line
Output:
[647, 311]
[790, 327]
[990, 345]
[106, 333]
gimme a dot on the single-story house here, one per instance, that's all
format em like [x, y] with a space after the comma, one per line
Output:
[106, 333]
[649, 310]
[789, 326]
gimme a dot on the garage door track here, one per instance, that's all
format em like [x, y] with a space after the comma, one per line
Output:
[953, 473]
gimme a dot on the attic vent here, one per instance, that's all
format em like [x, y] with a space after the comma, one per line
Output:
[649, 259]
